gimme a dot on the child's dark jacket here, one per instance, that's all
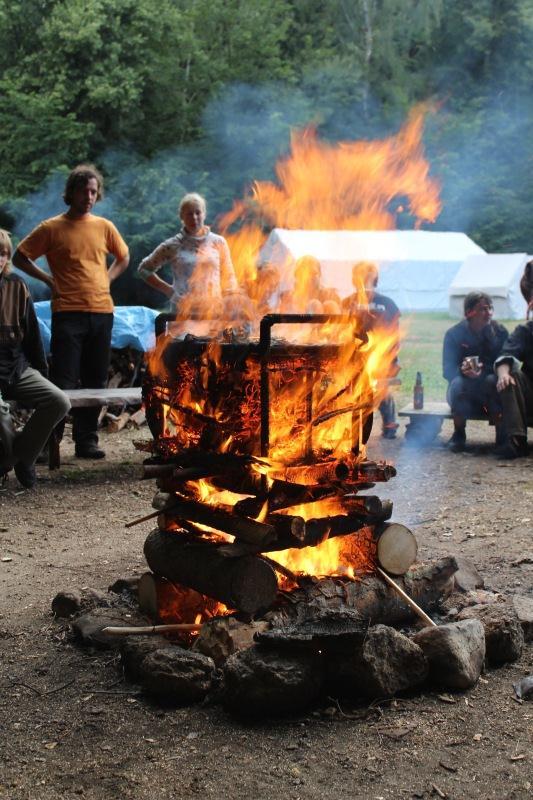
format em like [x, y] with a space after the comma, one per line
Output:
[20, 340]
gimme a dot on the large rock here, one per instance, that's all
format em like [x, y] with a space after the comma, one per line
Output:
[220, 637]
[263, 682]
[66, 604]
[455, 652]
[523, 607]
[385, 663]
[467, 578]
[134, 649]
[176, 676]
[504, 636]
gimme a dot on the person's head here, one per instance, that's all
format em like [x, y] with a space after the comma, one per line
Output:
[6, 251]
[365, 277]
[192, 211]
[307, 276]
[478, 308]
[526, 282]
[84, 186]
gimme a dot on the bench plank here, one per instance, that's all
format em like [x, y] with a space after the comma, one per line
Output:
[83, 398]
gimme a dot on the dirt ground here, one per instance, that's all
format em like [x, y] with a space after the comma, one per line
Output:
[71, 727]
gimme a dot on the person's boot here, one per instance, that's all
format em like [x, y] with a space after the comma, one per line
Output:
[88, 450]
[26, 475]
[457, 443]
[514, 447]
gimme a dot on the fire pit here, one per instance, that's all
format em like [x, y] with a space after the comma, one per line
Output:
[260, 447]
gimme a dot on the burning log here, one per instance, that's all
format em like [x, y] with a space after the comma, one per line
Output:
[247, 583]
[249, 530]
[324, 472]
[374, 599]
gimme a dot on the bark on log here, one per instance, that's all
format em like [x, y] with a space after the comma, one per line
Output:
[426, 584]
[247, 583]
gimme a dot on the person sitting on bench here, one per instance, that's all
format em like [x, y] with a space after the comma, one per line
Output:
[23, 371]
[469, 352]
[515, 389]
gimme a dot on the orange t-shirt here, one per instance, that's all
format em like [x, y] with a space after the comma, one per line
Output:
[76, 251]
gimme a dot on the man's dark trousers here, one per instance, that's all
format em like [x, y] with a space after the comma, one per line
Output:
[81, 347]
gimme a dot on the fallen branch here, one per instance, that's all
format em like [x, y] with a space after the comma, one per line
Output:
[144, 630]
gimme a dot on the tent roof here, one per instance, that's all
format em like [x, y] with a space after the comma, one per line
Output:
[372, 245]
[491, 273]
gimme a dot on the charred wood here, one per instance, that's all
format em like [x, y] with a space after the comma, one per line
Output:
[247, 583]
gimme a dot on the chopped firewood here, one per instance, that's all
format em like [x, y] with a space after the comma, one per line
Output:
[116, 423]
[138, 418]
[247, 583]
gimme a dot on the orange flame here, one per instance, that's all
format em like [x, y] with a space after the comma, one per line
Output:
[322, 413]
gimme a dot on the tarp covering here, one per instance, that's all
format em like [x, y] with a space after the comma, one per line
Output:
[133, 326]
[416, 267]
[498, 275]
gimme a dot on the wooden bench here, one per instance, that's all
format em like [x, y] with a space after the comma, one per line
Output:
[425, 423]
[84, 398]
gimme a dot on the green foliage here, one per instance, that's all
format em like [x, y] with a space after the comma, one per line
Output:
[174, 95]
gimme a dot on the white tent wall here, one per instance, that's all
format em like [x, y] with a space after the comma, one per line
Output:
[496, 274]
[416, 267]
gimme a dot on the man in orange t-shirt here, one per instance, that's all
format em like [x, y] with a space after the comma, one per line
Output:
[76, 245]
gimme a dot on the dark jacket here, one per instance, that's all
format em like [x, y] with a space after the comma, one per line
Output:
[462, 342]
[20, 339]
[519, 348]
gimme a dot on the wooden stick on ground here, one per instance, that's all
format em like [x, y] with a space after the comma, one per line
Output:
[411, 603]
[142, 519]
[143, 630]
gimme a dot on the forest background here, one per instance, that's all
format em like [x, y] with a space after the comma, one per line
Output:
[168, 96]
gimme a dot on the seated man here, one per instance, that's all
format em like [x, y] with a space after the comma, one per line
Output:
[23, 369]
[375, 309]
[515, 389]
[469, 351]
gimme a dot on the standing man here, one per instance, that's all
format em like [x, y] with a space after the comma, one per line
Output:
[76, 245]
[375, 310]
[469, 352]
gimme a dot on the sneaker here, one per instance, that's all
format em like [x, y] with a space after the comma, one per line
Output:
[26, 476]
[89, 450]
[457, 443]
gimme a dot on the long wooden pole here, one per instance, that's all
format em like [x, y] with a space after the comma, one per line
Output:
[143, 630]
[410, 602]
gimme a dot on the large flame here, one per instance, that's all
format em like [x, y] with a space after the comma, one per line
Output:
[344, 186]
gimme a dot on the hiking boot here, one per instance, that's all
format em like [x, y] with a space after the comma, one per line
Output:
[515, 447]
[389, 431]
[89, 450]
[457, 443]
[26, 476]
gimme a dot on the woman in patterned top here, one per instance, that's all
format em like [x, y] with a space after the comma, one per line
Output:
[203, 273]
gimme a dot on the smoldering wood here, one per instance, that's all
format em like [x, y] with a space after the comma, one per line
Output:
[283, 494]
[247, 583]
[373, 471]
[249, 530]
[309, 474]
[371, 596]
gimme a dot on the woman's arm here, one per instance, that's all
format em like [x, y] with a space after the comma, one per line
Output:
[151, 264]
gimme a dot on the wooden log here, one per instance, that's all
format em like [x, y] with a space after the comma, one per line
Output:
[247, 583]
[373, 471]
[115, 423]
[138, 418]
[249, 530]
[397, 548]
[325, 472]
[375, 600]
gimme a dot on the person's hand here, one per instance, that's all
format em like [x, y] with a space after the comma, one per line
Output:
[504, 381]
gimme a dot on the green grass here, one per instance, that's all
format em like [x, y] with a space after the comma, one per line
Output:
[421, 351]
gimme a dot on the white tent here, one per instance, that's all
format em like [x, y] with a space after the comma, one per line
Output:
[415, 267]
[498, 275]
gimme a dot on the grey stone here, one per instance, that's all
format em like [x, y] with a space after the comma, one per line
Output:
[129, 584]
[467, 577]
[134, 649]
[220, 637]
[176, 676]
[523, 607]
[455, 652]
[66, 604]
[88, 628]
[385, 663]
[264, 682]
[503, 632]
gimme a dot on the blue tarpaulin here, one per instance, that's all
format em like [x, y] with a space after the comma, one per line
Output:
[133, 326]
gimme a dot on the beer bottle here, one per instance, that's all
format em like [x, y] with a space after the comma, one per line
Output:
[418, 392]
